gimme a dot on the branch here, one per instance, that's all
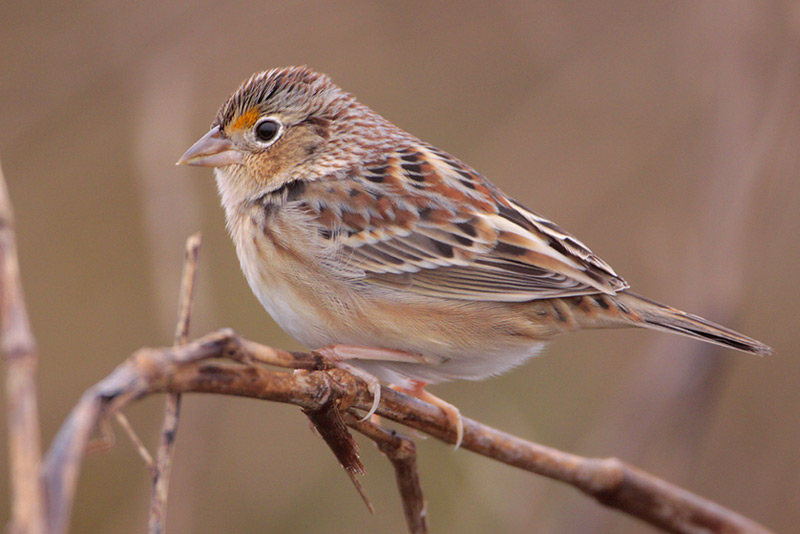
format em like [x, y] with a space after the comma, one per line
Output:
[172, 408]
[402, 452]
[19, 350]
[224, 363]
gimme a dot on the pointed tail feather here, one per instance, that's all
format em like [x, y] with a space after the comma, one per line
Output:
[660, 317]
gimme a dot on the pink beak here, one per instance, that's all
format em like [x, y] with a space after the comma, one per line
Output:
[212, 150]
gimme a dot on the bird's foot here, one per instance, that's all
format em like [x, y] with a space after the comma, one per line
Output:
[416, 388]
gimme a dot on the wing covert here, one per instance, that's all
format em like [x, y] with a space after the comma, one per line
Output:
[423, 222]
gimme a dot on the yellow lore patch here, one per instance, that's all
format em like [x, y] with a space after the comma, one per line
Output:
[246, 119]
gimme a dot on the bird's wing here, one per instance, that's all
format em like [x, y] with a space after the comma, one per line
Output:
[421, 221]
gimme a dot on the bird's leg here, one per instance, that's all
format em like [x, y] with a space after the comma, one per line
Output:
[416, 388]
[338, 355]
[340, 352]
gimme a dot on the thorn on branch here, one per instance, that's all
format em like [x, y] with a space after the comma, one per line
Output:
[329, 424]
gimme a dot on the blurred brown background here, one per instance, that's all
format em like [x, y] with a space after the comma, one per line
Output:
[663, 134]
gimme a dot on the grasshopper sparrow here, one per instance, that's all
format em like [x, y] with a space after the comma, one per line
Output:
[363, 241]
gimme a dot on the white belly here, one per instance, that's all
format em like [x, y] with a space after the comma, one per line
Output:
[318, 310]
[274, 283]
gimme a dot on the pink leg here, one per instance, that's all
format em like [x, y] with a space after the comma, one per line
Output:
[354, 352]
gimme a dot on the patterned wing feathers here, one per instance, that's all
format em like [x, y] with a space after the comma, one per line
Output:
[422, 221]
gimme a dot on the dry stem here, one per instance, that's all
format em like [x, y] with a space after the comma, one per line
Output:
[19, 349]
[172, 408]
[402, 452]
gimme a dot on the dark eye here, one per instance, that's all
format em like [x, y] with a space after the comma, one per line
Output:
[267, 130]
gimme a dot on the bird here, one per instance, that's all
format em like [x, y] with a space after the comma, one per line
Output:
[394, 258]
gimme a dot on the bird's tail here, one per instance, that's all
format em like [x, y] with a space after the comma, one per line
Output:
[639, 311]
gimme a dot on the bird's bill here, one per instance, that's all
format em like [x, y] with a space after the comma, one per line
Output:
[212, 150]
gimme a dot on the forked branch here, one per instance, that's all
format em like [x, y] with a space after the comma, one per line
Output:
[224, 363]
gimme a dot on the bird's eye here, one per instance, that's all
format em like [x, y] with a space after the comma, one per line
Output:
[267, 130]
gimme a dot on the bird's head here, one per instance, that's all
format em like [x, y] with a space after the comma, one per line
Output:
[280, 126]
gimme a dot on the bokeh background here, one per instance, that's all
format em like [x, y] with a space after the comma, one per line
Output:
[663, 134]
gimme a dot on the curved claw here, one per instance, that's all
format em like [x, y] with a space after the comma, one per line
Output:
[454, 416]
[375, 389]
[373, 384]
[459, 431]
